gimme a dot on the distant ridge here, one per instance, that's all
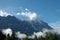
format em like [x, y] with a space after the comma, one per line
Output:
[27, 27]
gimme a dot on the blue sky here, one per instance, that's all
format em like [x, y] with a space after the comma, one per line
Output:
[49, 10]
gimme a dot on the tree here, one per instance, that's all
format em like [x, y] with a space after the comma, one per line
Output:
[55, 37]
[7, 37]
[35, 38]
[2, 37]
[26, 38]
[13, 37]
[41, 38]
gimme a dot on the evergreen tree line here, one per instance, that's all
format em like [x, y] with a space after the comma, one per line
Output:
[4, 37]
[49, 36]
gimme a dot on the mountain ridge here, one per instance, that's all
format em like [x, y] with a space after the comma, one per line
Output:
[27, 27]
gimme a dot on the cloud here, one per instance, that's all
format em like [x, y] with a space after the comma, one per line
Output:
[57, 31]
[26, 9]
[53, 31]
[20, 35]
[4, 14]
[28, 14]
[43, 33]
[39, 34]
[55, 25]
[31, 37]
[23, 14]
[7, 31]
[18, 14]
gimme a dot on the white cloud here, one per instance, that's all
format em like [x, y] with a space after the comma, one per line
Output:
[4, 14]
[7, 31]
[43, 33]
[24, 13]
[55, 25]
[18, 14]
[57, 31]
[28, 14]
[45, 30]
[31, 37]
[38, 34]
[26, 9]
[20, 35]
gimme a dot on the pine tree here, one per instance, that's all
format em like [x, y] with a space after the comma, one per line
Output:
[13, 37]
[26, 38]
[41, 38]
[35, 38]
[56, 37]
[2, 37]
[7, 37]
[47, 36]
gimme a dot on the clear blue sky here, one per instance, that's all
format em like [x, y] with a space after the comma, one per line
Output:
[49, 10]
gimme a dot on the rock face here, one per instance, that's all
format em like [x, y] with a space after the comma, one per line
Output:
[27, 27]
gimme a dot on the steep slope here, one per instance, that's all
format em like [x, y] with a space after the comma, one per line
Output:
[27, 27]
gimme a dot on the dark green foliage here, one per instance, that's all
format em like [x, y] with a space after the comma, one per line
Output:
[13, 37]
[55, 37]
[41, 38]
[7, 37]
[2, 37]
[26, 38]
[49, 36]
[35, 38]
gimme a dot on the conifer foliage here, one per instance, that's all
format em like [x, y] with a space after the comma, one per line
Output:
[49, 36]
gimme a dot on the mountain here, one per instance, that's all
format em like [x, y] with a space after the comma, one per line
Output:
[24, 26]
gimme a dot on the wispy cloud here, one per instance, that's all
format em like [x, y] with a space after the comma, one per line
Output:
[28, 14]
[43, 33]
[4, 14]
[23, 14]
[55, 25]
